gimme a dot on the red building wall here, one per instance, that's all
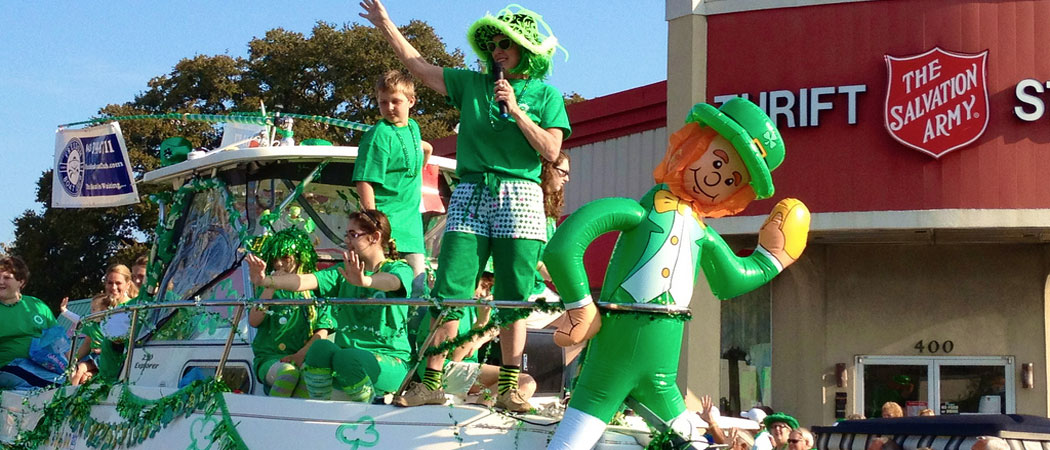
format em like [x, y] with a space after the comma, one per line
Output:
[837, 167]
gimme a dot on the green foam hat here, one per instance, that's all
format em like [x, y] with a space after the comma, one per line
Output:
[780, 417]
[174, 150]
[753, 135]
[520, 25]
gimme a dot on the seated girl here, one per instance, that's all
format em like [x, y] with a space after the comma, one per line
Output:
[285, 333]
[371, 351]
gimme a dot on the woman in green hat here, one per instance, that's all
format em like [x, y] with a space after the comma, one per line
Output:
[507, 125]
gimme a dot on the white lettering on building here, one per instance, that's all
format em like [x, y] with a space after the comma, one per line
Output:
[1027, 92]
[804, 109]
[938, 95]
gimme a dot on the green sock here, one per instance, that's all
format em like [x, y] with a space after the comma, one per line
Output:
[361, 392]
[432, 379]
[508, 378]
[318, 382]
[285, 381]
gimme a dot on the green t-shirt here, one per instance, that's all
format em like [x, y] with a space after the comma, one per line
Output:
[489, 143]
[19, 324]
[286, 329]
[391, 159]
[377, 329]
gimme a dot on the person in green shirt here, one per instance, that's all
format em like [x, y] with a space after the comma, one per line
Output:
[509, 121]
[22, 318]
[388, 172]
[371, 350]
[286, 332]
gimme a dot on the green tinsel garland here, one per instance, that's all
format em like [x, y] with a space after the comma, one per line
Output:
[241, 117]
[495, 322]
[143, 418]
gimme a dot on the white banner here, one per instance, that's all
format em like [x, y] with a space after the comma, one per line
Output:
[92, 169]
[240, 135]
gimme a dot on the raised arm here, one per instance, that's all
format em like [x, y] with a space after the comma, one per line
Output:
[546, 141]
[353, 270]
[284, 282]
[433, 76]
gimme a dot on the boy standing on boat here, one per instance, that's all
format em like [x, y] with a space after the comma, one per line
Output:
[508, 122]
[389, 170]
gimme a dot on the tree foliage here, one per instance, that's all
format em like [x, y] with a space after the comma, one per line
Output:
[331, 72]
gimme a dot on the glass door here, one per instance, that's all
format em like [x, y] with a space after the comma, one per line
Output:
[947, 384]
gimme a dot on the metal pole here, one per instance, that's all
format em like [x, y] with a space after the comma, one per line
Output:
[131, 345]
[229, 341]
[73, 347]
[435, 323]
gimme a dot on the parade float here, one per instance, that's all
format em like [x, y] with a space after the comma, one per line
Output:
[187, 379]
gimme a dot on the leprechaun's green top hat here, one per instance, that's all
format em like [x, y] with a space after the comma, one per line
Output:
[753, 135]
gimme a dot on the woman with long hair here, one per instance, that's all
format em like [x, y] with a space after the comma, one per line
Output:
[118, 289]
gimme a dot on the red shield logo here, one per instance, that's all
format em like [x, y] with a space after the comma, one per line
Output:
[937, 102]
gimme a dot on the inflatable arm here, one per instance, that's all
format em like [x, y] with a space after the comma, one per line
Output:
[729, 275]
[564, 254]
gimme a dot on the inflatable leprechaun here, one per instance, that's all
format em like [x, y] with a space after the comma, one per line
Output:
[715, 166]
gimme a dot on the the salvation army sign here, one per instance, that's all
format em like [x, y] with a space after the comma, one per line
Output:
[937, 102]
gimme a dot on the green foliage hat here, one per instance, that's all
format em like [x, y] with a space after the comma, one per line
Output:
[753, 135]
[520, 25]
[290, 241]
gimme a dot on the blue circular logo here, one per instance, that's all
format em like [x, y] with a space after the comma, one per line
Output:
[71, 167]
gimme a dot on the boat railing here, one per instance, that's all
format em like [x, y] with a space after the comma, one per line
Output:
[240, 305]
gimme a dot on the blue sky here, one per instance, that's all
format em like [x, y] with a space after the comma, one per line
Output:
[62, 61]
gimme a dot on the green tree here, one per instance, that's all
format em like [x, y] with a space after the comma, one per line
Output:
[331, 72]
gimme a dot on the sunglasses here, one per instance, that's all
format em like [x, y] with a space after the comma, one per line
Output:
[794, 441]
[503, 44]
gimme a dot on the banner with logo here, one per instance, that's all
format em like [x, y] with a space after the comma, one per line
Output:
[92, 169]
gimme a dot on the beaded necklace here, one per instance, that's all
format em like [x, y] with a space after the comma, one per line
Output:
[416, 143]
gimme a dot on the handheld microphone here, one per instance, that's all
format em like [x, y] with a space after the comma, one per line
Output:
[499, 76]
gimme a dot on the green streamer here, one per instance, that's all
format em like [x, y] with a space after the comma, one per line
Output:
[142, 418]
[248, 118]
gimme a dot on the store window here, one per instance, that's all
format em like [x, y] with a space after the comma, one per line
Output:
[746, 351]
[947, 385]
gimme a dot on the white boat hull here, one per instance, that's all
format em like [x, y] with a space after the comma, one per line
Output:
[267, 422]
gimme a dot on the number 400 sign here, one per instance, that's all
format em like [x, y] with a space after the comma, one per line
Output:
[934, 346]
